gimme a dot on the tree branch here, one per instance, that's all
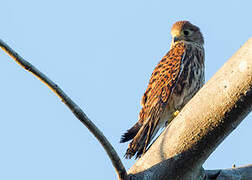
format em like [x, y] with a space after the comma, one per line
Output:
[180, 151]
[212, 114]
[241, 173]
[120, 170]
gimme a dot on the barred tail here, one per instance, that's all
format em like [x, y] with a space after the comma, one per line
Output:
[141, 140]
[138, 144]
[143, 133]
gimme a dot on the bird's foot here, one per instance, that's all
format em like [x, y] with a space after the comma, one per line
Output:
[175, 113]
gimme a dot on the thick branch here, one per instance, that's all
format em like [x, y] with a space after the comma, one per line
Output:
[211, 115]
[241, 173]
[72, 106]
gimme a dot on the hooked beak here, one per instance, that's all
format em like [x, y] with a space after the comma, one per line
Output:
[175, 39]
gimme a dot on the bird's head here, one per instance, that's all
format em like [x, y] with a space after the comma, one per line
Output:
[185, 31]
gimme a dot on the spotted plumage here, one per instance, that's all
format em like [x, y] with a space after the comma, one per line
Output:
[174, 81]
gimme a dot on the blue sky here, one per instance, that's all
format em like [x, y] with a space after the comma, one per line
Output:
[101, 53]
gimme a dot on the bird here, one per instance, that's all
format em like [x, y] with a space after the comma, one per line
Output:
[173, 82]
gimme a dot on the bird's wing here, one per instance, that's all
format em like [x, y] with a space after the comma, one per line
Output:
[156, 96]
[164, 76]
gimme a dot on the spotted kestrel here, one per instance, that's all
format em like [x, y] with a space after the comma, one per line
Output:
[174, 81]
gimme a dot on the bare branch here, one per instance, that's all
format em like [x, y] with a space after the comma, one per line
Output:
[193, 135]
[212, 114]
[120, 170]
[241, 173]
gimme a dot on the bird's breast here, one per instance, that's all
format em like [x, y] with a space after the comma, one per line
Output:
[190, 80]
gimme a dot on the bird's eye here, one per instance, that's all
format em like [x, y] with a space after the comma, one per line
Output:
[186, 33]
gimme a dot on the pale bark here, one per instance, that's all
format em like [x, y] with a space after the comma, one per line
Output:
[212, 114]
[180, 151]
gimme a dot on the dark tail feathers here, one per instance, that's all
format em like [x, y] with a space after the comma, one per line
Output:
[137, 145]
[131, 133]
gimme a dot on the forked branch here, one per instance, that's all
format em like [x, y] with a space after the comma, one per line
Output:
[210, 116]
